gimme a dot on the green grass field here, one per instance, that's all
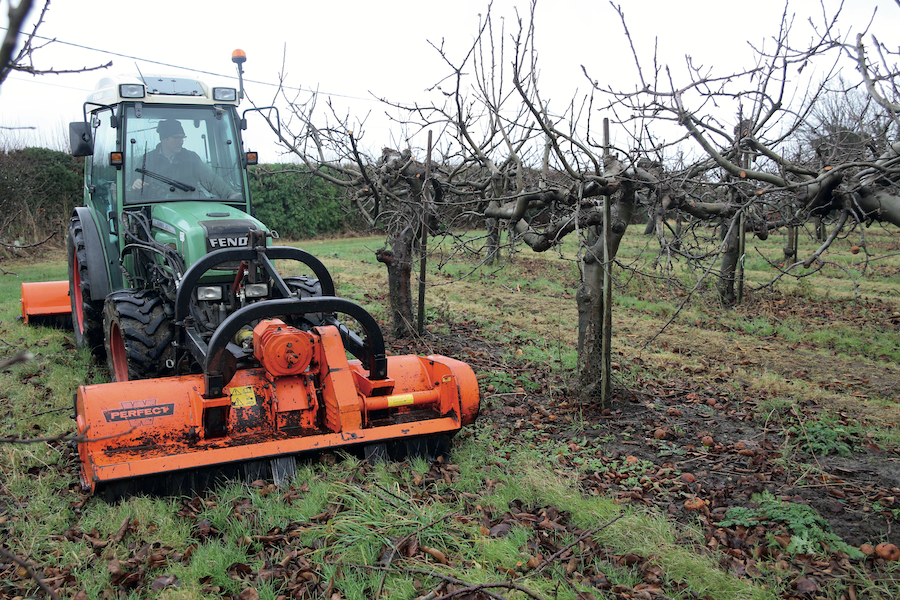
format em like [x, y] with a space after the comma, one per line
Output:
[513, 494]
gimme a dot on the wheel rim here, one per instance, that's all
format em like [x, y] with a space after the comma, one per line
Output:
[77, 299]
[117, 356]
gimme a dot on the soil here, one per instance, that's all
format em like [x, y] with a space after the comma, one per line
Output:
[695, 452]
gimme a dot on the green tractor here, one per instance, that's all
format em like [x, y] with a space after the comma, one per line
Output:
[165, 183]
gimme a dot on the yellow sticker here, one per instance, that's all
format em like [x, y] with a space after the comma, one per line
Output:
[400, 400]
[242, 397]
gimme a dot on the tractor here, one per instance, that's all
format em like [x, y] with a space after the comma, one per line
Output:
[220, 366]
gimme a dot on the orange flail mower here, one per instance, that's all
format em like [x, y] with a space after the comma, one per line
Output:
[307, 396]
[270, 381]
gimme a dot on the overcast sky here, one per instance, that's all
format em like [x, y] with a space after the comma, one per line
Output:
[352, 49]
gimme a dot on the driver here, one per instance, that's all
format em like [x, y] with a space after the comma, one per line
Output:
[171, 160]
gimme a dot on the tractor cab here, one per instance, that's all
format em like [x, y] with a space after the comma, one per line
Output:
[181, 153]
[159, 151]
[152, 139]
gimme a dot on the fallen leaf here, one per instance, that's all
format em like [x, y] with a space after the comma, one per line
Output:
[534, 561]
[806, 585]
[694, 503]
[249, 594]
[164, 582]
[435, 554]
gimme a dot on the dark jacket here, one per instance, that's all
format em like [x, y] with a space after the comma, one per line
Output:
[185, 167]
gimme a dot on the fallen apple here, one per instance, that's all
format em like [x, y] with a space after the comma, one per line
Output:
[887, 551]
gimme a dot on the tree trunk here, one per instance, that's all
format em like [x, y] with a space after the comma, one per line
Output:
[730, 255]
[398, 261]
[493, 241]
[790, 244]
[592, 361]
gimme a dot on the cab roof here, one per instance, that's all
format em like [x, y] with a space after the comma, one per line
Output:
[159, 89]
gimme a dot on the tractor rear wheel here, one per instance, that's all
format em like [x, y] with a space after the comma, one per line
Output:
[87, 314]
[139, 336]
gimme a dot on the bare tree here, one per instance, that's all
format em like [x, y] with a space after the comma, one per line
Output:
[386, 191]
[757, 166]
[723, 156]
[22, 58]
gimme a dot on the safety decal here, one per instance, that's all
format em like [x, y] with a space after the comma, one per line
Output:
[242, 397]
[400, 400]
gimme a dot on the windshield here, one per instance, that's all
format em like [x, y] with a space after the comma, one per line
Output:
[181, 152]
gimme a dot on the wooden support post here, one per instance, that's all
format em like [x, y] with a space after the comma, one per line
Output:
[742, 242]
[423, 247]
[606, 343]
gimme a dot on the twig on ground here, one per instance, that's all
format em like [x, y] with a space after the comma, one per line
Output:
[20, 357]
[55, 410]
[469, 588]
[25, 565]
[63, 437]
[583, 536]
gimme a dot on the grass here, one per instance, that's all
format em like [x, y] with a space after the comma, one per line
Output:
[528, 306]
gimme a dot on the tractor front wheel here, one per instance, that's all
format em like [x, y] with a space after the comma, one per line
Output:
[139, 336]
[87, 314]
[306, 287]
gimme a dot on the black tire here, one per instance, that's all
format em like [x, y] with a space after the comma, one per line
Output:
[308, 287]
[87, 314]
[139, 336]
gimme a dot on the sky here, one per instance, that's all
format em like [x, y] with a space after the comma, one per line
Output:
[353, 51]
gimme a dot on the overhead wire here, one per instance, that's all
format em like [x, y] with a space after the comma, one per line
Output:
[189, 69]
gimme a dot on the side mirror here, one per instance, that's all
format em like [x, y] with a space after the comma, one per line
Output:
[80, 139]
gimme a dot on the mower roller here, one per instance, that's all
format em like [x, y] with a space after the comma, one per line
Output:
[221, 366]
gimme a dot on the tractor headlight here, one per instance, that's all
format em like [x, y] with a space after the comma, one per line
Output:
[131, 90]
[256, 290]
[209, 292]
[224, 94]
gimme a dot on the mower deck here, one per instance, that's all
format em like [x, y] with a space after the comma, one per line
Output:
[161, 426]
